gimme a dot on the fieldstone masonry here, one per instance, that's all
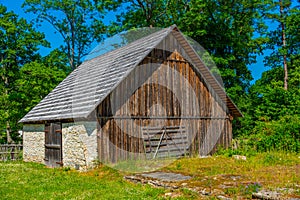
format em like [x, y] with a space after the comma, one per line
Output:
[79, 144]
[79, 141]
[33, 143]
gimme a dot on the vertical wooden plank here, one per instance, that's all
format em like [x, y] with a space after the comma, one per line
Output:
[99, 139]
[107, 141]
[230, 131]
[109, 132]
[116, 140]
[186, 93]
[124, 135]
[173, 86]
[178, 85]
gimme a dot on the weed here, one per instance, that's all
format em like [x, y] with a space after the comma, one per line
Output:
[271, 159]
[178, 166]
[251, 188]
[231, 191]
[65, 169]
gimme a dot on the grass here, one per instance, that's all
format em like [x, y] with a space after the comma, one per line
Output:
[271, 171]
[234, 178]
[20, 180]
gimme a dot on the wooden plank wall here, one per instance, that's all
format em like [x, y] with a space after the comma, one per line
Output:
[164, 90]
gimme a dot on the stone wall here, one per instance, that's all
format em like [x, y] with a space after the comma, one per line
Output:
[79, 141]
[33, 143]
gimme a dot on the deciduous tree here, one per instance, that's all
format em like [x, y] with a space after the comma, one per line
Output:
[79, 22]
[284, 39]
[19, 43]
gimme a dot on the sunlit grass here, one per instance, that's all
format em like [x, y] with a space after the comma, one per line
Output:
[273, 170]
[270, 170]
[34, 181]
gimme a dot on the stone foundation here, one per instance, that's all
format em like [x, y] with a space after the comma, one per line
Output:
[79, 141]
[33, 143]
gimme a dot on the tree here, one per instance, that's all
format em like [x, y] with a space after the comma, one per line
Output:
[79, 22]
[37, 79]
[18, 45]
[226, 30]
[273, 110]
[151, 13]
[284, 40]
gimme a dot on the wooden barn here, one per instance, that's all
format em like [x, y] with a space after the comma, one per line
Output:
[153, 98]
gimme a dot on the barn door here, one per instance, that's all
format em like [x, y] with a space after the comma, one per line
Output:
[164, 142]
[53, 145]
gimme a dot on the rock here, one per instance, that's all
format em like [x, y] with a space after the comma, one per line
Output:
[287, 190]
[204, 156]
[171, 195]
[166, 176]
[183, 184]
[223, 198]
[218, 192]
[266, 195]
[204, 192]
[239, 157]
[168, 194]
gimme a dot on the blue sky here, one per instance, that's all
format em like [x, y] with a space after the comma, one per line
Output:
[56, 40]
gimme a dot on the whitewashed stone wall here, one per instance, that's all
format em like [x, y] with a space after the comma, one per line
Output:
[33, 143]
[79, 143]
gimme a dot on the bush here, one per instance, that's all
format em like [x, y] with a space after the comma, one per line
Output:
[280, 135]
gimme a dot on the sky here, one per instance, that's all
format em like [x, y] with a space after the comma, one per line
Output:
[56, 40]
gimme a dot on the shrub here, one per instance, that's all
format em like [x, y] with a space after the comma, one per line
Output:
[282, 135]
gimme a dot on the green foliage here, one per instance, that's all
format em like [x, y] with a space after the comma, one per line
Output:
[289, 20]
[36, 81]
[272, 113]
[153, 13]
[19, 44]
[226, 30]
[282, 134]
[243, 149]
[26, 77]
[78, 22]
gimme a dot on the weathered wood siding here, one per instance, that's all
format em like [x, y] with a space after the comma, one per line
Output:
[164, 90]
[53, 144]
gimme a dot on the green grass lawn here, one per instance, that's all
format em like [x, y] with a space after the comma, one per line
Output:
[19, 180]
[237, 179]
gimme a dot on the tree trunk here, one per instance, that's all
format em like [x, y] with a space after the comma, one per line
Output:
[285, 67]
[8, 131]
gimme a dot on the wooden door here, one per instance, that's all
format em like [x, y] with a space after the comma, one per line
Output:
[165, 142]
[53, 145]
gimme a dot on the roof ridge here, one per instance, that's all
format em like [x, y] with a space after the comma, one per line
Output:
[131, 43]
[85, 73]
[168, 29]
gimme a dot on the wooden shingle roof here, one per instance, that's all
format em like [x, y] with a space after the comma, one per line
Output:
[88, 85]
